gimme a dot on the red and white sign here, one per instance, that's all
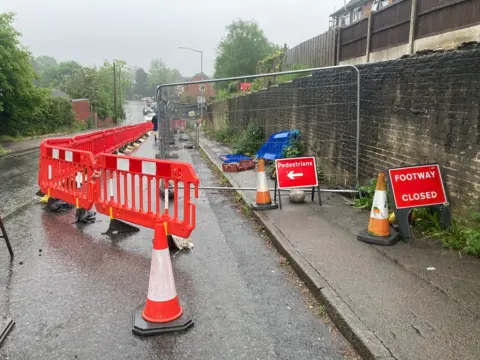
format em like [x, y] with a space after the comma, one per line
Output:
[178, 124]
[417, 186]
[296, 172]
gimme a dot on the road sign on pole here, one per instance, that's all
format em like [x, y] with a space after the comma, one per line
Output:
[296, 172]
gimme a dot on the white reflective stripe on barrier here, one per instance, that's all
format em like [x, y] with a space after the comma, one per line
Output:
[55, 154]
[68, 156]
[149, 168]
[166, 192]
[110, 182]
[162, 284]
[123, 164]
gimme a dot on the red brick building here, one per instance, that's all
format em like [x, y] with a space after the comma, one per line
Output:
[193, 91]
[81, 109]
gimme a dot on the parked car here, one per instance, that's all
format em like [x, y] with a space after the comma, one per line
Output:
[147, 110]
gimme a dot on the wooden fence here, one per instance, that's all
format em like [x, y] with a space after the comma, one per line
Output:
[390, 26]
[383, 29]
[319, 51]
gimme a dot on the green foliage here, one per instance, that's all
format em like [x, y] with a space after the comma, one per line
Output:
[52, 114]
[256, 85]
[239, 52]
[141, 87]
[250, 140]
[16, 72]
[2, 151]
[463, 234]
[160, 74]
[223, 94]
[57, 76]
[294, 149]
[365, 201]
[26, 110]
[233, 87]
[270, 59]
[290, 77]
[225, 136]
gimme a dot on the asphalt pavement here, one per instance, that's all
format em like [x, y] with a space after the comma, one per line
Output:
[72, 291]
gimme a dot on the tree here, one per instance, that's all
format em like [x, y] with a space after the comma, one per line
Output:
[16, 74]
[141, 83]
[239, 52]
[159, 73]
[42, 63]
[57, 76]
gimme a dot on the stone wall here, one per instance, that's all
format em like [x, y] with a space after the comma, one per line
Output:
[416, 110]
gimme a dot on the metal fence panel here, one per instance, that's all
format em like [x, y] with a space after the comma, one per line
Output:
[323, 105]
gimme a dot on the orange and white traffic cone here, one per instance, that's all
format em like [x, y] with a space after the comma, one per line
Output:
[379, 231]
[162, 311]
[263, 200]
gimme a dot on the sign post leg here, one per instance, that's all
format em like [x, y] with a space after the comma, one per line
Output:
[277, 189]
[404, 225]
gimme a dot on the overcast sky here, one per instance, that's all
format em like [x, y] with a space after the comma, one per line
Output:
[90, 31]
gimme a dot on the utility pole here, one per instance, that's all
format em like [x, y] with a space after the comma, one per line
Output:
[120, 89]
[114, 94]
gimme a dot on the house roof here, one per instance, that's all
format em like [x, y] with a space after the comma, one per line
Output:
[351, 4]
[202, 75]
[58, 93]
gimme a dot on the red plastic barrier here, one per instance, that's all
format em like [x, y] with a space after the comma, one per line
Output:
[92, 142]
[66, 174]
[77, 170]
[98, 142]
[129, 189]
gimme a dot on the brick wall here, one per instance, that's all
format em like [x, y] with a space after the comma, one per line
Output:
[415, 110]
[81, 109]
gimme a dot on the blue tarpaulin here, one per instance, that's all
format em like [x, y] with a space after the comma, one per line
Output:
[273, 148]
[233, 158]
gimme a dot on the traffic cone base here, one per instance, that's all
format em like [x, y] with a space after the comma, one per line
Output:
[261, 207]
[379, 231]
[142, 327]
[389, 240]
[263, 201]
[162, 311]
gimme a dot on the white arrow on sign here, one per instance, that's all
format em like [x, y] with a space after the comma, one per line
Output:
[292, 175]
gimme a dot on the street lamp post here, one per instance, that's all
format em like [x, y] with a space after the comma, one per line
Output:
[202, 100]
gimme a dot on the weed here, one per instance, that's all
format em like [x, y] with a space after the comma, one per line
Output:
[365, 201]
[225, 136]
[294, 149]
[8, 138]
[247, 211]
[250, 140]
[2, 151]
[463, 234]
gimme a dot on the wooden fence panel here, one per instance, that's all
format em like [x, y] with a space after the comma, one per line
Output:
[391, 26]
[353, 40]
[439, 16]
[316, 52]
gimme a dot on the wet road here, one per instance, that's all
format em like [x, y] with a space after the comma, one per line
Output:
[18, 175]
[72, 290]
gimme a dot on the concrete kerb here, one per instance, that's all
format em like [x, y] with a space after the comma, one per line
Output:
[350, 325]
[11, 154]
